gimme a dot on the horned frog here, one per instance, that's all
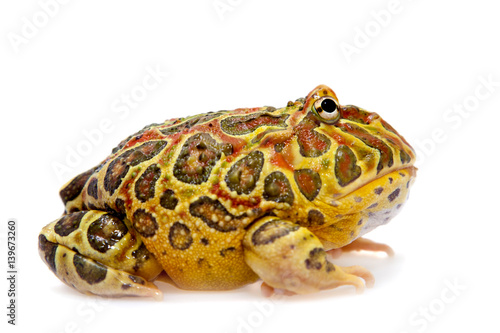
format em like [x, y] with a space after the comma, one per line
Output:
[218, 200]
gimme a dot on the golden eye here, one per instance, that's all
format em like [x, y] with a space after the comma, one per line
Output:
[327, 109]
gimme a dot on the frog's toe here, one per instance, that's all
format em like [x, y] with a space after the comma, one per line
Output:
[362, 244]
[335, 253]
[362, 273]
[268, 291]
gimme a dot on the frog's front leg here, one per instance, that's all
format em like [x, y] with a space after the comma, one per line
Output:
[97, 252]
[287, 256]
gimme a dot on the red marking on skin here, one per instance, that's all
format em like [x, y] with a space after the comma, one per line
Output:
[174, 140]
[268, 142]
[345, 164]
[283, 160]
[306, 183]
[124, 190]
[340, 139]
[283, 136]
[176, 137]
[352, 112]
[252, 124]
[238, 143]
[373, 141]
[147, 181]
[308, 138]
[151, 134]
[310, 141]
[283, 186]
[391, 129]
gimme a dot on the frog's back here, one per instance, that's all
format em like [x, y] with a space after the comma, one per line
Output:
[190, 187]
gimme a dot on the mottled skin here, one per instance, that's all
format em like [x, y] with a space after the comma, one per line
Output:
[219, 200]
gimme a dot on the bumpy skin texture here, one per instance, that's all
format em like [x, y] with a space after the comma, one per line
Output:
[219, 200]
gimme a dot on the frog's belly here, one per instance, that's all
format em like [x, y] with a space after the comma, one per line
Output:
[209, 263]
[389, 203]
[212, 273]
[378, 218]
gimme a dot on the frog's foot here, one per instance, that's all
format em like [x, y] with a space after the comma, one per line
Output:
[362, 244]
[96, 252]
[268, 291]
[289, 257]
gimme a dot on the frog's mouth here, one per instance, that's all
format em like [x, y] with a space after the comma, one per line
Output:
[362, 210]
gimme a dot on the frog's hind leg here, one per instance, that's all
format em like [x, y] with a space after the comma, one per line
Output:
[97, 252]
[289, 257]
[71, 192]
[362, 244]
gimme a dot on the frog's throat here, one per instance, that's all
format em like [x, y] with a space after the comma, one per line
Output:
[385, 191]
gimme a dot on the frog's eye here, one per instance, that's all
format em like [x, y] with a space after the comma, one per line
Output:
[327, 109]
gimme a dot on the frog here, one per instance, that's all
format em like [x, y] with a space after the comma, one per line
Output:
[223, 199]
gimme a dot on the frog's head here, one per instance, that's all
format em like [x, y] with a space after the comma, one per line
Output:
[348, 156]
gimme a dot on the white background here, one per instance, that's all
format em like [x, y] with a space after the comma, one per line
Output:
[416, 66]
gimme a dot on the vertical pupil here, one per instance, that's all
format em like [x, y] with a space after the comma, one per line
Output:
[328, 105]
